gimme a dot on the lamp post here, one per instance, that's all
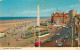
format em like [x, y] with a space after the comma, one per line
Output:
[34, 36]
[39, 39]
[78, 34]
[73, 28]
[72, 36]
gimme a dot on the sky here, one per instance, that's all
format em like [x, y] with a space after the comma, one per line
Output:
[28, 8]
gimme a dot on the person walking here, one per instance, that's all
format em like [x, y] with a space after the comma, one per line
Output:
[21, 36]
[8, 43]
[64, 40]
[56, 41]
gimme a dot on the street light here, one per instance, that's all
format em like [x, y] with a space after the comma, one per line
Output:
[72, 30]
[78, 39]
[34, 35]
[39, 35]
[72, 36]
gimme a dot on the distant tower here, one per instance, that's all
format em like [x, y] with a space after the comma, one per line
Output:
[72, 13]
[38, 16]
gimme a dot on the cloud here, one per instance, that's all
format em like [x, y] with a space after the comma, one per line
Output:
[29, 11]
[48, 10]
[78, 5]
[1, 0]
[45, 10]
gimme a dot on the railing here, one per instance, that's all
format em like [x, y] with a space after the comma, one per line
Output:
[44, 35]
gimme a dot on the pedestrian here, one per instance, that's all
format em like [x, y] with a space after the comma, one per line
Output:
[21, 36]
[56, 41]
[8, 43]
[64, 40]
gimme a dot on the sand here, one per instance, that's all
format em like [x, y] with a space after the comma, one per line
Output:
[7, 25]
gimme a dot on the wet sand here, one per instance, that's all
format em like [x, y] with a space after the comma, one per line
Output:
[5, 25]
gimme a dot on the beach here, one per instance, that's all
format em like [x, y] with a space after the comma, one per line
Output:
[14, 29]
[5, 25]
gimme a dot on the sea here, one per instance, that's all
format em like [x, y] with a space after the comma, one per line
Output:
[16, 18]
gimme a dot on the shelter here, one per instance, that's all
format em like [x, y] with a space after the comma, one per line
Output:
[2, 35]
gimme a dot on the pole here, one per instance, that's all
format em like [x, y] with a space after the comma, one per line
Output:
[39, 35]
[78, 39]
[72, 36]
[78, 34]
[34, 36]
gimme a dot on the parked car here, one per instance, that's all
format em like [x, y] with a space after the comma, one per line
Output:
[64, 25]
[38, 43]
[76, 39]
[58, 34]
[60, 44]
[67, 27]
[66, 36]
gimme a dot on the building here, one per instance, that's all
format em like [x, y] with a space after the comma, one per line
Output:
[72, 13]
[59, 18]
[77, 16]
[77, 20]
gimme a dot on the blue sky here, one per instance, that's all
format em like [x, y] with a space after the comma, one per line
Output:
[28, 8]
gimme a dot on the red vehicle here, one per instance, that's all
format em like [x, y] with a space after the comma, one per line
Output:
[70, 26]
[38, 43]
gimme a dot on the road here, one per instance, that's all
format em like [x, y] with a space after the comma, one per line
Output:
[62, 31]
[67, 42]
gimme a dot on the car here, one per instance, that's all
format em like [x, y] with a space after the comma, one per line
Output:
[64, 26]
[66, 36]
[38, 43]
[67, 27]
[58, 33]
[60, 44]
[76, 39]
